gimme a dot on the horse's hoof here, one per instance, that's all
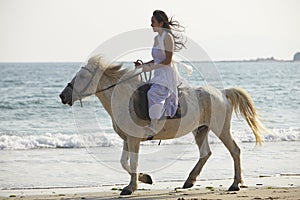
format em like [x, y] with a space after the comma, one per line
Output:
[146, 179]
[234, 188]
[187, 185]
[126, 192]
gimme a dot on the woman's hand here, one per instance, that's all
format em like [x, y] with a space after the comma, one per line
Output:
[146, 68]
[138, 64]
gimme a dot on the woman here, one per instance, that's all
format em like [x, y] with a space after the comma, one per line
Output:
[162, 96]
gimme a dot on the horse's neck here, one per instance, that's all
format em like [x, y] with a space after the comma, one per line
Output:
[105, 96]
[123, 89]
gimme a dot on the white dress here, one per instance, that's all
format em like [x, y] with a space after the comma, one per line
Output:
[162, 96]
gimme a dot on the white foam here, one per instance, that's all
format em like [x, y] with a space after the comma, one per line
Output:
[48, 140]
[59, 140]
[274, 135]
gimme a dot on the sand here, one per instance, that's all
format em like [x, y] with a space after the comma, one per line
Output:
[281, 187]
[218, 193]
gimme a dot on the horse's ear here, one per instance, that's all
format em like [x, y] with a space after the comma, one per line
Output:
[95, 60]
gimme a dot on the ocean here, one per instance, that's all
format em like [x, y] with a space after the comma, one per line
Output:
[41, 145]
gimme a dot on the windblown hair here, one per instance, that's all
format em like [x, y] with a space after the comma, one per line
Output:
[171, 26]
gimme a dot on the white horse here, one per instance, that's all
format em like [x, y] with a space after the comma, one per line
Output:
[209, 109]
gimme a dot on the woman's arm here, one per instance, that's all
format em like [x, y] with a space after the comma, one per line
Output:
[169, 48]
[139, 65]
[150, 62]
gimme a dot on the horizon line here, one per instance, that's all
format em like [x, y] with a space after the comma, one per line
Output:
[238, 60]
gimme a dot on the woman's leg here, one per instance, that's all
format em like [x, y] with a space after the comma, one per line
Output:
[157, 96]
[156, 99]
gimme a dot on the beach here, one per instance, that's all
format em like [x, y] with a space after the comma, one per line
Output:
[268, 170]
[70, 110]
[52, 151]
[258, 188]
[74, 174]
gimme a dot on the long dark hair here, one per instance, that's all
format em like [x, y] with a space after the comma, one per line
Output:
[169, 24]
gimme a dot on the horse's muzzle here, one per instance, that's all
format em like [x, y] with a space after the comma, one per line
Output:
[65, 100]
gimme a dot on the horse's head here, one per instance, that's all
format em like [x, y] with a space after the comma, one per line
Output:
[85, 82]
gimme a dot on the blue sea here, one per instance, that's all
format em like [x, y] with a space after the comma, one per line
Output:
[40, 145]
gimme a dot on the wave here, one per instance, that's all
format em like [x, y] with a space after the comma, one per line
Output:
[48, 140]
[274, 135]
[59, 140]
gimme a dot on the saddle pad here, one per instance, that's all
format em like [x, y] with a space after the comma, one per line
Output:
[140, 103]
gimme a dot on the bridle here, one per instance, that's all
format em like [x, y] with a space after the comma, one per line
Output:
[70, 85]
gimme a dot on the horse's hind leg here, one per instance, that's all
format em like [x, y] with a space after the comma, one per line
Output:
[202, 143]
[234, 150]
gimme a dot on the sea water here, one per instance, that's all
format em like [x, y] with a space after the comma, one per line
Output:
[41, 143]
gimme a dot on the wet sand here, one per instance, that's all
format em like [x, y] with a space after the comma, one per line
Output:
[218, 193]
[283, 187]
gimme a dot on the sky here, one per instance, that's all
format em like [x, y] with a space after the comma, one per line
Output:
[69, 30]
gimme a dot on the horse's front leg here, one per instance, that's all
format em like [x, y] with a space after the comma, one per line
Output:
[143, 177]
[133, 150]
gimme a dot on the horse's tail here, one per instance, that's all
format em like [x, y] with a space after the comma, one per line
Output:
[243, 103]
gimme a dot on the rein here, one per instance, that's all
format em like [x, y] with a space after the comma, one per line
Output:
[101, 90]
[113, 85]
[107, 88]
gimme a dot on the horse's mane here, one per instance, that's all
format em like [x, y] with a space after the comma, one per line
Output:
[113, 71]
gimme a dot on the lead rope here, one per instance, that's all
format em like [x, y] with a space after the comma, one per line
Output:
[141, 63]
[147, 80]
[145, 74]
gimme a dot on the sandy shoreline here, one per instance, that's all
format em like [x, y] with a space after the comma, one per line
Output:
[217, 193]
[287, 187]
